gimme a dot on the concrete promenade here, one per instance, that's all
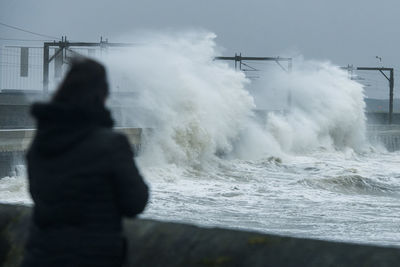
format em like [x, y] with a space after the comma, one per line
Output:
[161, 244]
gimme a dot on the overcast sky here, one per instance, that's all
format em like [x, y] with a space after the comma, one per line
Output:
[342, 31]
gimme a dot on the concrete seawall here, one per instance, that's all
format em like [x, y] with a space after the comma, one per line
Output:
[387, 135]
[14, 143]
[19, 139]
[153, 243]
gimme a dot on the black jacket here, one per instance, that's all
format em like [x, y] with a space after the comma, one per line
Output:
[83, 180]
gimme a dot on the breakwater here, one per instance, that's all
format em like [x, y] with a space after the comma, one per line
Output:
[154, 243]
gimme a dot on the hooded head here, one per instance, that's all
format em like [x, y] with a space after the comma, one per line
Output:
[76, 109]
[85, 85]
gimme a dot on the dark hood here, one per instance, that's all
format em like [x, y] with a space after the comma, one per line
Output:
[61, 126]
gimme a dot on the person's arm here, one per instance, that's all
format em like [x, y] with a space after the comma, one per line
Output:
[131, 191]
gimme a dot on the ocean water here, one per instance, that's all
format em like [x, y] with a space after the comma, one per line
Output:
[332, 196]
[302, 167]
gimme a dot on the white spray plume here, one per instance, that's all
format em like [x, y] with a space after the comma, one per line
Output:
[326, 108]
[200, 107]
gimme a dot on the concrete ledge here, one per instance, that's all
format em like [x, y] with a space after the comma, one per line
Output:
[9, 163]
[153, 243]
[20, 139]
[387, 135]
[15, 139]
[14, 143]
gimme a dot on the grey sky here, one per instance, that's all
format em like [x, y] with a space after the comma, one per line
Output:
[342, 31]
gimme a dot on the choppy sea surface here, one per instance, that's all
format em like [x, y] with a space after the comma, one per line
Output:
[325, 195]
[332, 196]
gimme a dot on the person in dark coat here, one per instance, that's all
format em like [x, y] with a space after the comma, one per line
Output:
[82, 176]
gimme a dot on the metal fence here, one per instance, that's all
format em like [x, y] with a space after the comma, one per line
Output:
[21, 68]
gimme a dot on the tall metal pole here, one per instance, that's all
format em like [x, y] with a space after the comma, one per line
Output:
[1, 73]
[46, 68]
[289, 97]
[240, 61]
[391, 85]
[235, 61]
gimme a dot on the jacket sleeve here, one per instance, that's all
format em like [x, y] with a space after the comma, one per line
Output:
[131, 191]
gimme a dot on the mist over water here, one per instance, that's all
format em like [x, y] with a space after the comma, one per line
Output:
[285, 153]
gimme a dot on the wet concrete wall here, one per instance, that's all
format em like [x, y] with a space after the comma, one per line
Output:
[15, 142]
[153, 243]
[9, 162]
[382, 118]
[386, 135]
[15, 108]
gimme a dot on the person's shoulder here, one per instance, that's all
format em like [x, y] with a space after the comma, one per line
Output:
[115, 143]
[110, 137]
[109, 134]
